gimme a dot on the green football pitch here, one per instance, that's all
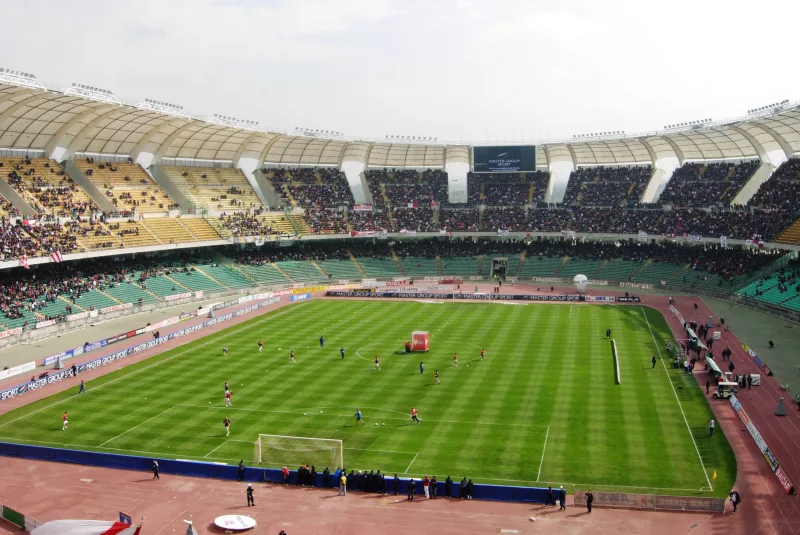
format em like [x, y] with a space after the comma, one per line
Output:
[541, 409]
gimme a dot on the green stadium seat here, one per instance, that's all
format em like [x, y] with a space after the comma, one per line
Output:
[379, 267]
[340, 269]
[301, 271]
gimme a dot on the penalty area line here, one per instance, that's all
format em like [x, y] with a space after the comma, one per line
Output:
[218, 447]
[677, 399]
[412, 462]
[138, 425]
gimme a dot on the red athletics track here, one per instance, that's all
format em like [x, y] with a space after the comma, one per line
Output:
[49, 491]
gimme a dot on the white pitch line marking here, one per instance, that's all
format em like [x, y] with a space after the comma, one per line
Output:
[138, 425]
[544, 448]
[412, 462]
[218, 447]
[216, 339]
[688, 428]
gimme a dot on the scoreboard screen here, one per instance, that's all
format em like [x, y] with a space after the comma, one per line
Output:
[515, 158]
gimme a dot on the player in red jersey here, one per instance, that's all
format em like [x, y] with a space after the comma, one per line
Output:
[414, 415]
[455, 359]
[483, 353]
[228, 395]
[64, 422]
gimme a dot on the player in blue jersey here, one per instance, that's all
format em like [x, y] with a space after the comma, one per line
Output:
[358, 417]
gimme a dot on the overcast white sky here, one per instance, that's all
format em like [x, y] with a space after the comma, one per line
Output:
[460, 70]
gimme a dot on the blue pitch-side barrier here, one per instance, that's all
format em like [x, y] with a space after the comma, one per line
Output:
[219, 471]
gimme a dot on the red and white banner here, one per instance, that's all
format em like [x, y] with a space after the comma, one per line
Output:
[362, 233]
[23, 261]
[46, 323]
[11, 332]
[56, 257]
[412, 205]
[397, 283]
[408, 232]
[114, 308]
[362, 208]
[754, 240]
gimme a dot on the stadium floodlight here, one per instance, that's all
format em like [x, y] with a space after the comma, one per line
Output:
[770, 109]
[689, 125]
[163, 107]
[233, 122]
[19, 78]
[92, 93]
[397, 138]
[316, 132]
[277, 451]
[600, 135]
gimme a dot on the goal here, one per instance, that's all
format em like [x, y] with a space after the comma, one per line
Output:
[278, 450]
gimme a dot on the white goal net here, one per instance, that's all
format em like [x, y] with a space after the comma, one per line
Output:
[277, 450]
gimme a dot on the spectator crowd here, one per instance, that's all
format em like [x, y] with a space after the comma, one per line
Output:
[698, 185]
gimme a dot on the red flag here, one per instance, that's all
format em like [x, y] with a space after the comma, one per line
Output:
[56, 256]
[23, 261]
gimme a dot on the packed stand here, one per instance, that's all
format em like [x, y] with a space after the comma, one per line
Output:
[326, 220]
[701, 185]
[416, 219]
[782, 190]
[506, 189]
[366, 221]
[311, 187]
[607, 186]
[459, 220]
[408, 187]
[15, 242]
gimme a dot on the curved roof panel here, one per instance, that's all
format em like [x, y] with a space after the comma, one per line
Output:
[406, 155]
[43, 120]
[305, 150]
[786, 125]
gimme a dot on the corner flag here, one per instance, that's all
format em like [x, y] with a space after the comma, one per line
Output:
[714, 475]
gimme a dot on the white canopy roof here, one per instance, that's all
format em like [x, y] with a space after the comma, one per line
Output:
[45, 120]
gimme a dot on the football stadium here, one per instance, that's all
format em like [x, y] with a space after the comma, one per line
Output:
[209, 325]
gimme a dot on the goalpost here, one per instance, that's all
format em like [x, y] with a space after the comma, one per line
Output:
[278, 450]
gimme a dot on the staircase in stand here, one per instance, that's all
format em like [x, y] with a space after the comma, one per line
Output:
[635, 273]
[358, 266]
[561, 265]
[314, 263]
[522, 257]
[282, 272]
[396, 260]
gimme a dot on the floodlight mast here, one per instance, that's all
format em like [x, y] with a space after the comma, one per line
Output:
[233, 122]
[163, 107]
[92, 93]
[21, 79]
